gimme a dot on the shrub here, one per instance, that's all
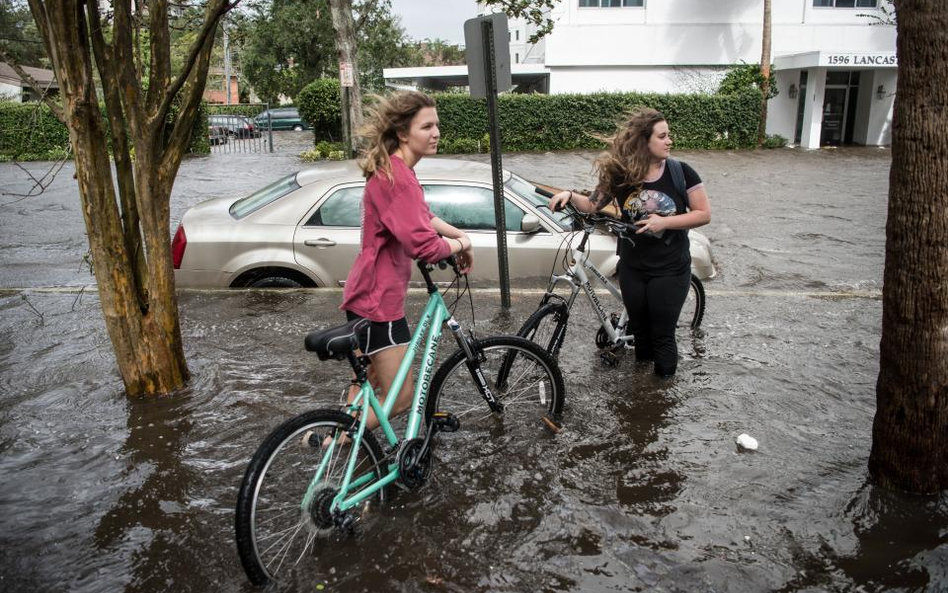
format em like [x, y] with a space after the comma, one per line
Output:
[319, 105]
[30, 131]
[566, 122]
[774, 141]
[744, 77]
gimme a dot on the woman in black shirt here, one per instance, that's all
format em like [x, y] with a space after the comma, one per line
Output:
[636, 178]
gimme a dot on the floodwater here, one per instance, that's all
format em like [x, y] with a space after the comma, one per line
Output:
[642, 490]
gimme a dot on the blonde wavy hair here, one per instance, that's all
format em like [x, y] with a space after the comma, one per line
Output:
[389, 116]
[624, 165]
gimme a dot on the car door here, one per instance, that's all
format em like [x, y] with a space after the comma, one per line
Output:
[471, 209]
[327, 240]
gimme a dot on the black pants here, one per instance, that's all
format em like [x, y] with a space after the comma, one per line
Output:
[654, 304]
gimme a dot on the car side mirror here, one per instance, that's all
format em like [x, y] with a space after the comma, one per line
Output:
[530, 223]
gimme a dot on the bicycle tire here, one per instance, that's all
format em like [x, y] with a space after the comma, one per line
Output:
[547, 327]
[692, 313]
[531, 388]
[278, 475]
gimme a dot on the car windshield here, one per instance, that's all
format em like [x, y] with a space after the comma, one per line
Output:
[264, 196]
[528, 191]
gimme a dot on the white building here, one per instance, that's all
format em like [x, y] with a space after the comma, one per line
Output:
[835, 66]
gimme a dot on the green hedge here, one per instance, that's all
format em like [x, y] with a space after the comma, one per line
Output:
[565, 122]
[30, 132]
[250, 110]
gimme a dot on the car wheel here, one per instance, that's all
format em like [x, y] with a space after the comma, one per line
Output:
[275, 282]
[297, 128]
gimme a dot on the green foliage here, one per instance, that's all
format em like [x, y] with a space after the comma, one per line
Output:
[323, 150]
[567, 122]
[746, 77]
[250, 110]
[774, 141]
[30, 132]
[18, 35]
[536, 12]
[30, 129]
[319, 105]
[290, 43]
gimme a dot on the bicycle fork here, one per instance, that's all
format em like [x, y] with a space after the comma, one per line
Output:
[474, 367]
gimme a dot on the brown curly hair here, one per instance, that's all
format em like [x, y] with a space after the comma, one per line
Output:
[387, 117]
[623, 166]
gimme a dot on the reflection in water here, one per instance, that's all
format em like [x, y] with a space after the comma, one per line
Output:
[147, 521]
[881, 521]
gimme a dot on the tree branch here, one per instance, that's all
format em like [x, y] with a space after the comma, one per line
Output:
[215, 10]
[43, 91]
[160, 43]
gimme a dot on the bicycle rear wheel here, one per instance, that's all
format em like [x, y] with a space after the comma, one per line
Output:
[547, 327]
[693, 311]
[275, 531]
[521, 375]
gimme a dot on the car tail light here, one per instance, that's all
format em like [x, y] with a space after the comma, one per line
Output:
[178, 245]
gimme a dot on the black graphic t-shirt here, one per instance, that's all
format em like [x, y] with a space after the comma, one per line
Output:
[670, 252]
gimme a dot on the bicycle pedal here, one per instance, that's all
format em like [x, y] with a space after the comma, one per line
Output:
[609, 358]
[445, 422]
[552, 424]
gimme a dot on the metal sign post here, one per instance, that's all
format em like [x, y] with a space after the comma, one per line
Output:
[488, 65]
[345, 83]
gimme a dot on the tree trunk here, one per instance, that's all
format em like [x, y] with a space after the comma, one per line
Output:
[765, 73]
[128, 232]
[910, 430]
[344, 28]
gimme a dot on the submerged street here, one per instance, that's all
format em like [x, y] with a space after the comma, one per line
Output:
[644, 488]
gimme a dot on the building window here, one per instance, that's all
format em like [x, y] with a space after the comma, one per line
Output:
[518, 34]
[611, 3]
[516, 58]
[845, 3]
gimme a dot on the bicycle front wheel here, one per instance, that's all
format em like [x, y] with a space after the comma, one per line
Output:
[277, 532]
[693, 311]
[520, 374]
[547, 327]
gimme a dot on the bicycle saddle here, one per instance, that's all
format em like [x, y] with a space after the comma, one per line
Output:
[335, 342]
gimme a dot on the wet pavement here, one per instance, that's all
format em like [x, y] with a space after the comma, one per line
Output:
[643, 490]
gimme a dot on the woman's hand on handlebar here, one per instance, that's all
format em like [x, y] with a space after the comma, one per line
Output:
[560, 200]
[465, 260]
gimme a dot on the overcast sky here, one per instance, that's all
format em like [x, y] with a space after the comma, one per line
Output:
[435, 19]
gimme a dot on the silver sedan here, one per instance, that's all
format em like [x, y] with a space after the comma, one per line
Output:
[304, 230]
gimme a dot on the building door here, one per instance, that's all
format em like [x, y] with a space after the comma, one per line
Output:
[839, 108]
[834, 115]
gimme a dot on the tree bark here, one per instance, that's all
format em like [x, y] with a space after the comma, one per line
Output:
[344, 28]
[128, 232]
[910, 430]
[765, 74]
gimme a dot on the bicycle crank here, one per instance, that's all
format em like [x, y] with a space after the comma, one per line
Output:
[414, 463]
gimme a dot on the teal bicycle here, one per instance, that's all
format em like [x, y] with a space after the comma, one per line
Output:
[315, 476]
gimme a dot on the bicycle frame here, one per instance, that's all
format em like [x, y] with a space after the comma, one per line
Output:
[430, 326]
[577, 279]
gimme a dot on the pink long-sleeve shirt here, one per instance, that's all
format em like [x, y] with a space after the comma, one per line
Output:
[396, 230]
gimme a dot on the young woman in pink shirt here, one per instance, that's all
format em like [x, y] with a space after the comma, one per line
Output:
[397, 228]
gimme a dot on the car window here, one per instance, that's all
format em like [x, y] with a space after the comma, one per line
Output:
[528, 191]
[342, 208]
[263, 196]
[469, 208]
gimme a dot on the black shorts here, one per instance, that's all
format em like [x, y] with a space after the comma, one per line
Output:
[379, 335]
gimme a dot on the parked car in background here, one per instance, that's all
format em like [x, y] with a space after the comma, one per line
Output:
[282, 118]
[304, 229]
[237, 126]
[216, 135]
